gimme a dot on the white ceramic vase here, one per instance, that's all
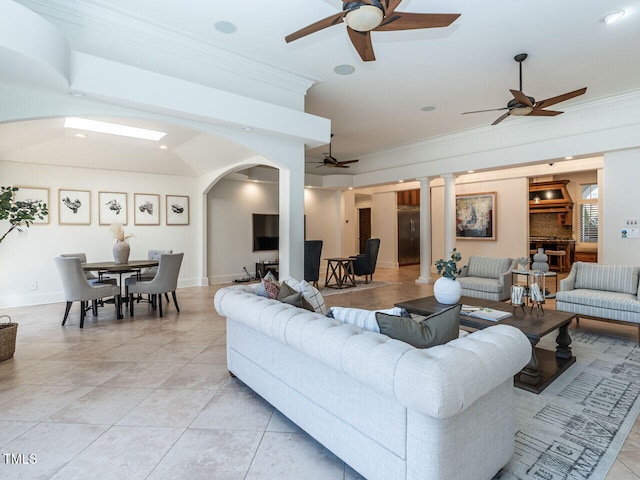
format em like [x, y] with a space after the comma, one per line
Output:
[447, 291]
[121, 250]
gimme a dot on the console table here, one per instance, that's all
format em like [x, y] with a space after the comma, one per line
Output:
[263, 267]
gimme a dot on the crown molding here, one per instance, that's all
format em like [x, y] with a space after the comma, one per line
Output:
[99, 16]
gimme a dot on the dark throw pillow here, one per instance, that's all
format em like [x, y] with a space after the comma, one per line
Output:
[288, 294]
[436, 329]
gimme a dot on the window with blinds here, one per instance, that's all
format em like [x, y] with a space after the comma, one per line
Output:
[589, 213]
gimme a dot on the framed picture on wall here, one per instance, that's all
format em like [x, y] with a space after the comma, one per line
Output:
[476, 216]
[34, 194]
[112, 208]
[147, 209]
[74, 207]
[177, 209]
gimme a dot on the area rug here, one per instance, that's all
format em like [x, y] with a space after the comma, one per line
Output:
[360, 285]
[576, 427]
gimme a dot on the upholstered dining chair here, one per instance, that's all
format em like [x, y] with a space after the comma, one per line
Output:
[90, 276]
[150, 272]
[76, 287]
[365, 264]
[312, 254]
[165, 281]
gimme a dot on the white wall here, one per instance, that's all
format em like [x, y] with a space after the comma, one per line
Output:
[384, 225]
[324, 220]
[511, 218]
[621, 200]
[230, 238]
[28, 259]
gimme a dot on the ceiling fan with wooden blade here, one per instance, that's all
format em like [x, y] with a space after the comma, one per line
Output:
[523, 105]
[331, 161]
[364, 16]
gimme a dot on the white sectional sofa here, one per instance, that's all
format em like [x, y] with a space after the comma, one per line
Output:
[389, 410]
[487, 277]
[607, 292]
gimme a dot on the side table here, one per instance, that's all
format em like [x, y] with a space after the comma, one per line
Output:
[340, 272]
[528, 273]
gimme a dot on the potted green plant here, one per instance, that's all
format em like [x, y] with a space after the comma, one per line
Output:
[20, 214]
[447, 289]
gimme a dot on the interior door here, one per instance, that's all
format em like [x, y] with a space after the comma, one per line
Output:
[364, 227]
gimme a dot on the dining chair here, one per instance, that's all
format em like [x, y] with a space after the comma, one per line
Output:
[90, 276]
[165, 281]
[76, 287]
[150, 272]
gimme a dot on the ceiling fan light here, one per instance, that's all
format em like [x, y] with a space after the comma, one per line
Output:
[520, 111]
[364, 18]
[612, 17]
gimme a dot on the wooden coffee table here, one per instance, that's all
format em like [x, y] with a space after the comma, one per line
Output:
[545, 365]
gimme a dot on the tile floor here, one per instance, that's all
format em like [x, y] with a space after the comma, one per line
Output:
[151, 398]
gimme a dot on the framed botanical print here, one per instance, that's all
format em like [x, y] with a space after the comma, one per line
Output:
[112, 208]
[476, 216]
[177, 209]
[32, 195]
[74, 207]
[147, 209]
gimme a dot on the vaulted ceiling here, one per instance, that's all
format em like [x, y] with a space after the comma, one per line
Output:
[466, 66]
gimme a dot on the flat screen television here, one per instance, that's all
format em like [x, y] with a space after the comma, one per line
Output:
[266, 231]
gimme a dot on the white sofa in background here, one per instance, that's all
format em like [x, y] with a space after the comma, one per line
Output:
[603, 292]
[389, 410]
[487, 277]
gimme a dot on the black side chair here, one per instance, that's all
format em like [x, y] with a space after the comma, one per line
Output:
[365, 263]
[312, 253]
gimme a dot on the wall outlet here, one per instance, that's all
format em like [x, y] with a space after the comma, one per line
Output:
[34, 285]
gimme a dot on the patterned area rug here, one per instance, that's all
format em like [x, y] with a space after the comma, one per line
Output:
[360, 285]
[576, 427]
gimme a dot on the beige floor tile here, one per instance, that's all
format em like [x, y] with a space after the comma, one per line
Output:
[41, 402]
[40, 350]
[235, 407]
[121, 453]
[168, 408]
[619, 471]
[143, 375]
[215, 354]
[209, 454]
[101, 406]
[90, 373]
[53, 444]
[10, 430]
[280, 423]
[292, 456]
[198, 376]
[157, 338]
[631, 459]
[175, 353]
[128, 352]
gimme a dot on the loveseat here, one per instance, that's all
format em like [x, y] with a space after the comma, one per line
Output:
[487, 277]
[389, 410]
[606, 292]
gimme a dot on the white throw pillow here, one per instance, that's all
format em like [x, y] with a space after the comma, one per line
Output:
[310, 293]
[365, 319]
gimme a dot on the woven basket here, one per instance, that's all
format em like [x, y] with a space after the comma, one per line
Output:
[8, 332]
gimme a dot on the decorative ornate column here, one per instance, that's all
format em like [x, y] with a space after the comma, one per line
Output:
[425, 231]
[449, 213]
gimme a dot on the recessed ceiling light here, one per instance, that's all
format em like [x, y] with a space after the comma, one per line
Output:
[568, 158]
[470, 171]
[81, 135]
[350, 188]
[613, 16]
[112, 128]
[400, 181]
[163, 147]
[76, 94]
[428, 108]
[225, 27]
[344, 69]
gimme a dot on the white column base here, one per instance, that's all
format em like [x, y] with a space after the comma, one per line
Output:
[424, 280]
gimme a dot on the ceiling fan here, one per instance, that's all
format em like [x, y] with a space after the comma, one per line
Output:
[522, 105]
[330, 161]
[364, 16]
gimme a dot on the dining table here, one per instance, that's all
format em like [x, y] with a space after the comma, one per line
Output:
[106, 268]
